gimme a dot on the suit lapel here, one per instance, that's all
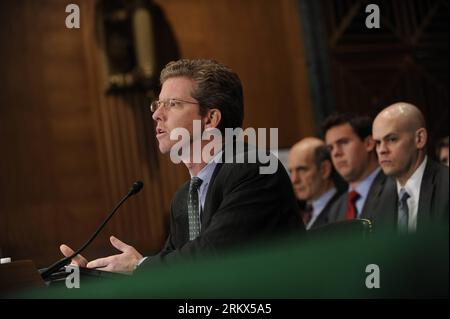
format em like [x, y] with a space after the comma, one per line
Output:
[206, 214]
[427, 188]
[180, 216]
[207, 209]
[373, 196]
[324, 216]
[180, 203]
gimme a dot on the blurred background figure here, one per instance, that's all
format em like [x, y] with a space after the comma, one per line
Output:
[314, 180]
[442, 151]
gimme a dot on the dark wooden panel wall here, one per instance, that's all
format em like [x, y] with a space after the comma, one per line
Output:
[262, 41]
[406, 59]
[69, 151]
[50, 169]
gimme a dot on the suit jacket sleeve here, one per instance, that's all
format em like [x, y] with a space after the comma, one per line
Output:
[242, 205]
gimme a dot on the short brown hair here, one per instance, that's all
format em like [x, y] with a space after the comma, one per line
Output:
[361, 124]
[217, 86]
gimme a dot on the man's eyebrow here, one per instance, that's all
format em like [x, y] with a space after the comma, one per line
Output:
[339, 140]
[296, 168]
[389, 135]
[342, 139]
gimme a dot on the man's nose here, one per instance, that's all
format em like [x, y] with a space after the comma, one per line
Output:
[336, 152]
[158, 114]
[382, 149]
[294, 177]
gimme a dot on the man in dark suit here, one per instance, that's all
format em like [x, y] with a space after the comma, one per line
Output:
[314, 180]
[241, 206]
[419, 194]
[349, 139]
[228, 201]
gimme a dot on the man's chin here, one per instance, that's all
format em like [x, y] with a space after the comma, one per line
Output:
[388, 171]
[164, 149]
[301, 196]
[346, 176]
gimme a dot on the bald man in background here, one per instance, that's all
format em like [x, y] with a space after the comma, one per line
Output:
[420, 192]
[314, 180]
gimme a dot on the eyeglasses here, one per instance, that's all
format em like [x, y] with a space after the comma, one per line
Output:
[168, 104]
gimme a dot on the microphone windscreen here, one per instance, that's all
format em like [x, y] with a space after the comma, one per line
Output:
[136, 187]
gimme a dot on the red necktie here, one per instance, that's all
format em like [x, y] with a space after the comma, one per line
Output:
[351, 207]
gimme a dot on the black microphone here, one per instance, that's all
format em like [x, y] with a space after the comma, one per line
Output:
[135, 188]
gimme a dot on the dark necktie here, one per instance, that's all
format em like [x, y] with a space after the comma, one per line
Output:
[403, 211]
[193, 208]
[352, 212]
[307, 213]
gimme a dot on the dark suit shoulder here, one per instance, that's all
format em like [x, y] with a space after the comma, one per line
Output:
[231, 174]
[371, 206]
[337, 209]
[439, 172]
[179, 200]
[182, 190]
[434, 201]
[326, 215]
[378, 184]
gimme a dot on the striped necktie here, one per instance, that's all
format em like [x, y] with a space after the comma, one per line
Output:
[403, 211]
[193, 208]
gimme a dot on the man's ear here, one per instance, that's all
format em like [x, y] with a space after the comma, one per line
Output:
[212, 118]
[325, 169]
[369, 143]
[421, 138]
